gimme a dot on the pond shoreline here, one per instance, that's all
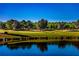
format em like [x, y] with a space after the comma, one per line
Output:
[41, 41]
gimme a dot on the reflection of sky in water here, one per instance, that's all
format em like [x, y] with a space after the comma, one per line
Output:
[34, 50]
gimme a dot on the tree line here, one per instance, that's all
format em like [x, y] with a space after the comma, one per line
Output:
[42, 24]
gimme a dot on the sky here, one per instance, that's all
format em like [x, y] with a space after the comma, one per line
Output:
[53, 12]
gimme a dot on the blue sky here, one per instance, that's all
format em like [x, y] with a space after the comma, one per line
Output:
[36, 11]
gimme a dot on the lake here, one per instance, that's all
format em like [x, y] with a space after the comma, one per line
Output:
[57, 48]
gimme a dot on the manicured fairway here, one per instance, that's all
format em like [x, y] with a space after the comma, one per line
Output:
[49, 34]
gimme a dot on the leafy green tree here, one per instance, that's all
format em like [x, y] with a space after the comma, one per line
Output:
[50, 26]
[12, 24]
[16, 25]
[55, 26]
[23, 24]
[9, 24]
[42, 24]
[29, 25]
[77, 23]
[69, 26]
[34, 26]
[73, 26]
[78, 20]
[2, 25]
[61, 24]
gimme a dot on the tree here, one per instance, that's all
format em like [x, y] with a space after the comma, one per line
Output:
[78, 20]
[12, 24]
[16, 25]
[51, 26]
[34, 26]
[9, 24]
[73, 26]
[42, 24]
[55, 26]
[23, 24]
[29, 25]
[77, 23]
[61, 25]
[2, 25]
[69, 26]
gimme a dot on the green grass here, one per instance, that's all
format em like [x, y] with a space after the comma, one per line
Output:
[49, 34]
[37, 41]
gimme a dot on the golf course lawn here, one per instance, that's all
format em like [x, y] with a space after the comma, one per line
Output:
[50, 34]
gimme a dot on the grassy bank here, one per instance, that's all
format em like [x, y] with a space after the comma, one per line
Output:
[42, 41]
[57, 34]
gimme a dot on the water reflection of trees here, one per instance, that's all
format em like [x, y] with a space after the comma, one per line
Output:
[61, 44]
[76, 44]
[43, 46]
[19, 45]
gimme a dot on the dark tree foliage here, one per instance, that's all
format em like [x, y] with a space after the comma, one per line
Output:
[2, 25]
[12, 24]
[29, 25]
[40, 25]
[23, 24]
[16, 25]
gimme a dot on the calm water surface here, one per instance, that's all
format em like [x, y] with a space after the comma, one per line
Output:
[40, 49]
